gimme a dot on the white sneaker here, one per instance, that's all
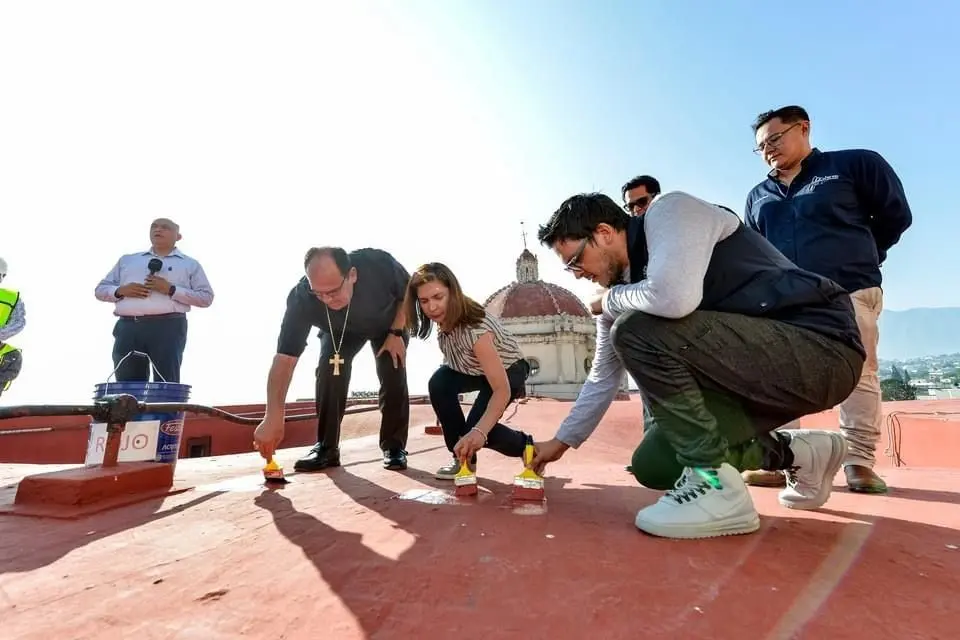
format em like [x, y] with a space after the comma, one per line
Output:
[817, 456]
[704, 503]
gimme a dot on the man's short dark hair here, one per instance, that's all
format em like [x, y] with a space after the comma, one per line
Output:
[579, 216]
[339, 256]
[787, 115]
[651, 184]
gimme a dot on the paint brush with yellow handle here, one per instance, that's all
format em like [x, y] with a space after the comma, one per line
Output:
[527, 485]
[273, 473]
[465, 481]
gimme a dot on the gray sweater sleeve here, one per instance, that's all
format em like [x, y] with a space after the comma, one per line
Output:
[597, 392]
[681, 233]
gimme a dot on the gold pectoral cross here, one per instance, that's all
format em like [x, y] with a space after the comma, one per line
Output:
[336, 361]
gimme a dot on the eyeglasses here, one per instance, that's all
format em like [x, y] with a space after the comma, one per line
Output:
[330, 295]
[775, 139]
[573, 264]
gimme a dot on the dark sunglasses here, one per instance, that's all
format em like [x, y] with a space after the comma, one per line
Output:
[639, 203]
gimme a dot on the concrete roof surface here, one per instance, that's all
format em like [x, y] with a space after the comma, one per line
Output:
[361, 552]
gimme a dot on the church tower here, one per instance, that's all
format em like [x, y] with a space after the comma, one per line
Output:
[527, 267]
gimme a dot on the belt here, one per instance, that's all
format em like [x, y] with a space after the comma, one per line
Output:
[158, 316]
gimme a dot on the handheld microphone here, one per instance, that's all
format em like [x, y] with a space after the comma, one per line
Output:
[154, 265]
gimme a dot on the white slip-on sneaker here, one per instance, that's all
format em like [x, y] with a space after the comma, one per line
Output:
[817, 456]
[704, 503]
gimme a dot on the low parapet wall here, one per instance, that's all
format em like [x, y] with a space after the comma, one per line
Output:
[915, 434]
[64, 440]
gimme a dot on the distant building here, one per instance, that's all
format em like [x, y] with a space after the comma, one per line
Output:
[556, 331]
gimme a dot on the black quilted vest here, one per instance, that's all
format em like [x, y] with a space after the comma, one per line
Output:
[748, 275]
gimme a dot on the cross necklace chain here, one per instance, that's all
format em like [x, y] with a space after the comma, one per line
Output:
[336, 360]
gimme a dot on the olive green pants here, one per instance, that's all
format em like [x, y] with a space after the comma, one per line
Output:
[716, 386]
[655, 463]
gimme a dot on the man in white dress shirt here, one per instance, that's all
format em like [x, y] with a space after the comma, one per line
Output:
[153, 291]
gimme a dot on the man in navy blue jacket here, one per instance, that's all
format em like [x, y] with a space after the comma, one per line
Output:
[835, 213]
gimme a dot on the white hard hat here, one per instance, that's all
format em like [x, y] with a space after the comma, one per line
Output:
[3, 268]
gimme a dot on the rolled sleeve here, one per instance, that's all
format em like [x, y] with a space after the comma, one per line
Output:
[107, 288]
[294, 328]
[199, 293]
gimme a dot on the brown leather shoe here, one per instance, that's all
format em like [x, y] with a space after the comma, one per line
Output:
[764, 478]
[863, 480]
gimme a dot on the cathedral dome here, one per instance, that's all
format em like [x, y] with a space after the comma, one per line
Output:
[523, 299]
[530, 296]
[555, 330]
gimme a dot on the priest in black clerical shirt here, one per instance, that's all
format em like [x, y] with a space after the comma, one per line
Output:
[352, 299]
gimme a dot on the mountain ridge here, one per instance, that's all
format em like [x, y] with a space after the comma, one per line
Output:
[919, 332]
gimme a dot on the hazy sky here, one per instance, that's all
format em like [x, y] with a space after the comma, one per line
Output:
[430, 129]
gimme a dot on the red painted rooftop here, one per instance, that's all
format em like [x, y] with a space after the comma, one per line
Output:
[360, 552]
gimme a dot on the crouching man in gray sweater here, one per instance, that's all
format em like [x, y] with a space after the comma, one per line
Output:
[726, 339]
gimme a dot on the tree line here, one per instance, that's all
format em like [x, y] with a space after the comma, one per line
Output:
[897, 386]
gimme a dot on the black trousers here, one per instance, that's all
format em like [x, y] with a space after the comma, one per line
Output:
[163, 338]
[445, 386]
[715, 385]
[394, 398]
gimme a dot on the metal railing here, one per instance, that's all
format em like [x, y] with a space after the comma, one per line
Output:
[117, 410]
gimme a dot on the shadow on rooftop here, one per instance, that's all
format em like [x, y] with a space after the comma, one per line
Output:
[379, 459]
[799, 576]
[49, 544]
[921, 495]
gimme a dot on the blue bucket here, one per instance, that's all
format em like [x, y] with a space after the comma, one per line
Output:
[138, 438]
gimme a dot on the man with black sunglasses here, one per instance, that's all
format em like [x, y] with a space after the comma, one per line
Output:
[726, 340]
[352, 298]
[638, 193]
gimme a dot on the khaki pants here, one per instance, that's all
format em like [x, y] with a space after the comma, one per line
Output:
[861, 414]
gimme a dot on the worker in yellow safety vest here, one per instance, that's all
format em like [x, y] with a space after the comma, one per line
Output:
[13, 318]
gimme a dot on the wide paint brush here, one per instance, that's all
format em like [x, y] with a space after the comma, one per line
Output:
[527, 485]
[273, 473]
[465, 481]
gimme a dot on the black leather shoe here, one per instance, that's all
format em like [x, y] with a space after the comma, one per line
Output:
[395, 459]
[320, 457]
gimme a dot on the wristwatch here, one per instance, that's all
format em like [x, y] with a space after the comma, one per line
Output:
[396, 332]
[172, 290]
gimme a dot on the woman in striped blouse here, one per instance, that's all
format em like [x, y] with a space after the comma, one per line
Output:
[479, 355]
